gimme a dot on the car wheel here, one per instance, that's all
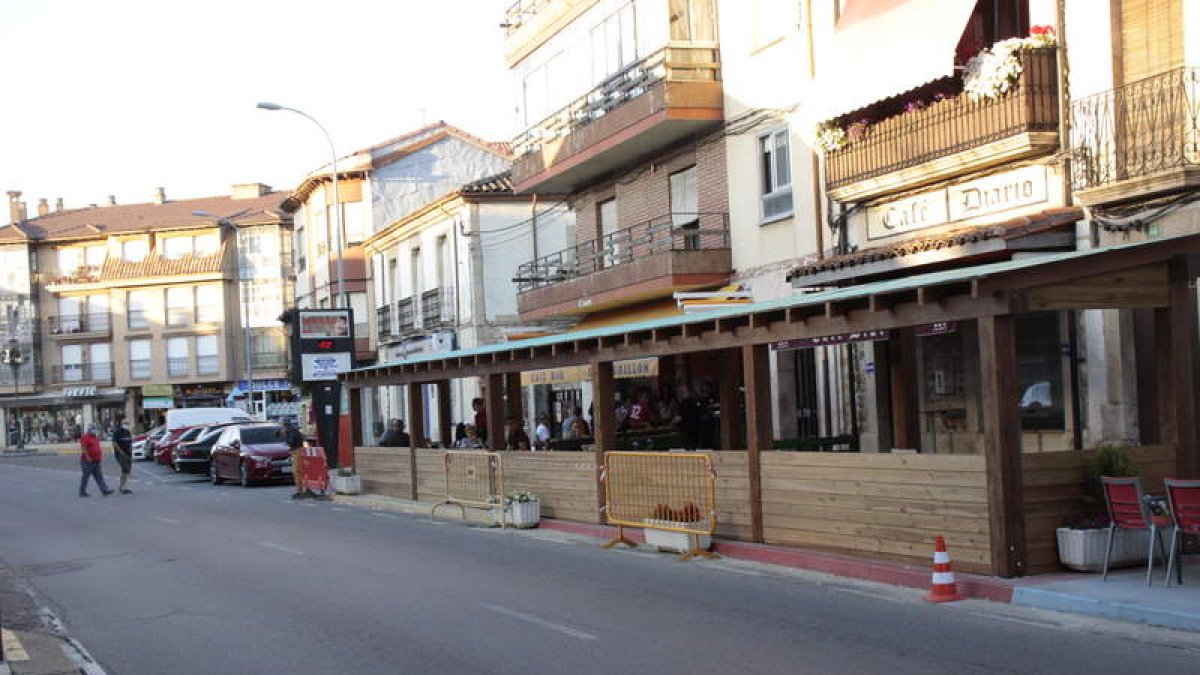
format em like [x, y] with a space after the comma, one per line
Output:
[212, 474]
[245, 476]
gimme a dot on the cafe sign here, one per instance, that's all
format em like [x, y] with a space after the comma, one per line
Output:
[965, 201]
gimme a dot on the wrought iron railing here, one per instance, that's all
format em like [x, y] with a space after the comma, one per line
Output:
[139, 369]
[682, 63]
[383, 318]
[1144, 128]
[437, 308]
[671, 232]
[83, 373]
[70, 324]
[406, 315]
[951, 126]
[179, 366]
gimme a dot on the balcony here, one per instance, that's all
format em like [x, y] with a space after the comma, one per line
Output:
[437, 308]
[82, 373]
[662, 99]
[93, 324]
[383, 319]
[1139, 140]
[406, 316]
[675, 252]
[80, 276]
[951, 137]
[139, 369]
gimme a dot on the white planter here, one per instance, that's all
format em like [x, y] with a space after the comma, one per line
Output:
[524, 514]
[346, 485]
[1083, 550]
[678, 542]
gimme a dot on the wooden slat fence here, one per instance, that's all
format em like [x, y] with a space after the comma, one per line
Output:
[566, 482]
[384, 471]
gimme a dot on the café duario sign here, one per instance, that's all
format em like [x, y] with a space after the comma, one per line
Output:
[965, 201]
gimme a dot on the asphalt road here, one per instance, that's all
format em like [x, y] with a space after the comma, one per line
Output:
[184, 577]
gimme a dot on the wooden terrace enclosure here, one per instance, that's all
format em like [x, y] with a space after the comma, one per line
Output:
[998, 509]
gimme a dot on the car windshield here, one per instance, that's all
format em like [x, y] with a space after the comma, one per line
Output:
[191, 434]
[259, 435]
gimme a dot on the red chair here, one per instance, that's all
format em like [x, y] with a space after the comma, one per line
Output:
[1183, 496]
[1129, 510]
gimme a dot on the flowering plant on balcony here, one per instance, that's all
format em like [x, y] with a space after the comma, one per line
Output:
[992, 72]
[830, 137]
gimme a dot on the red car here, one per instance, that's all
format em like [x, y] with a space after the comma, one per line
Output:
[249, 454]
[164, 447]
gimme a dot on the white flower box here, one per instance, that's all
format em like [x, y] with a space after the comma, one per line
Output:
[678, 542]
[346, 485]
[1083, 550]
[524, 514]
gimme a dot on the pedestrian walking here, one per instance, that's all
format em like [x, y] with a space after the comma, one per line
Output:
[295, 443]
[122, 441]
[89, 462]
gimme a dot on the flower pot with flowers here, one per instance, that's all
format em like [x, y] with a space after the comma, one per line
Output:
[1082, 542]
[345, 482]
[522, 509]
[664, 520]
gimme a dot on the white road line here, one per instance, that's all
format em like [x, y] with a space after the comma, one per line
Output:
[384, 515]
[341, 509]
[865, 594]
[164, 519]
[278, 547]
[529, 618]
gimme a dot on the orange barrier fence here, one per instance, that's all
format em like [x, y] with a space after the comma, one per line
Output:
[672, 492]
[474, 480]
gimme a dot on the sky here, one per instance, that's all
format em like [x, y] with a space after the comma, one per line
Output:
[119, 97]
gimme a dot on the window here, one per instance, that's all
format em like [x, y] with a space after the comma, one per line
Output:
[606, 214]
[178, 362]
[209, 308]
[95, 255]
[180, 306]
[68, 315]
[137, 309]
[100, 362]
[614, 44]
[207, 360]
[685, 208]
[175, 248]
[300, 247]
[418, 276]
[1040, 371]
[97, 313]
[694, 20]
[72, 363]
[444, 265]
[69, 259]
[354, 223]
[139, 359]
[207, 244]
[264, 302]
[134, 250]
[776, 175]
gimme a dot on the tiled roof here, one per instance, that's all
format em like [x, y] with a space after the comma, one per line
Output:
[155, 265]
[1017, 227]
[97, 221]
[501, 182]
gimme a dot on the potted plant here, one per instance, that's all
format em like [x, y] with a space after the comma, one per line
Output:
[1081, 543]
[522, 509]
[689, 517]
[345, 482]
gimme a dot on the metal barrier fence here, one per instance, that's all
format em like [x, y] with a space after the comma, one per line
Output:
[475, 480]
[672, 492]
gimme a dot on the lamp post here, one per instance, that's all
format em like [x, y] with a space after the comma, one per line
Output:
[337, 209]
[14, 358]
[243, 295]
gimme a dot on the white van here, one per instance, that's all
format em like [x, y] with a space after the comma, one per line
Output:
[190, 417]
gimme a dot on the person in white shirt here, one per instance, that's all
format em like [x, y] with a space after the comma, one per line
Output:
[541, 433]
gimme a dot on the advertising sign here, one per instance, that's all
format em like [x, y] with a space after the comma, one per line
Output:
[324, 343]
[314, 367]
[323, 324]
[826, 340]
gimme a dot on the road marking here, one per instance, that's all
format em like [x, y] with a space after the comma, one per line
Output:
[164, 519]
[1014, 619]
[340, 508]
[529, 618]
[865, 594]
[13, 649]
[278, 547]
[384, 515]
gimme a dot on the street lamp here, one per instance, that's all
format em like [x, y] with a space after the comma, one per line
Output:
[243, 294]
[14, 358]
[337, 209]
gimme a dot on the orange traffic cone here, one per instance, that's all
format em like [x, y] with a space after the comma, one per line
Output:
[943, 589]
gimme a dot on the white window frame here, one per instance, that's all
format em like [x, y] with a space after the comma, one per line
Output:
[769, 189]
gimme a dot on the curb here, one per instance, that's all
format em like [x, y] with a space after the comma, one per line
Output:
[1039, 598]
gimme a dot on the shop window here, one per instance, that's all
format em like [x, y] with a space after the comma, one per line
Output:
[1040, 372]
[776, 174]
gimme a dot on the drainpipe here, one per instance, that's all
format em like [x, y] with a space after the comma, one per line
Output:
[533, 221]
[1064, 99]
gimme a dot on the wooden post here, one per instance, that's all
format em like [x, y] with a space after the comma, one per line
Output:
[416, 414]
[493, 406]
[756, 371]
[445, 423]
[732, 420]
[604, 420]
[356, 426]
[1002, 443]
[906, 417]
[1185, 366]
[513, 405]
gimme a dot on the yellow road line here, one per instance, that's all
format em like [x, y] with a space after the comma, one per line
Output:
[13, 651]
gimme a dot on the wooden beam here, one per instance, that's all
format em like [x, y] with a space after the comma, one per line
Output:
[905, 412]
[756, 374]
[1185, 367]
[445, 423]
[514, 405]
[732, 429]
[1002, 444]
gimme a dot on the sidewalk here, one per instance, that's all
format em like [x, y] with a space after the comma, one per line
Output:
[34, 642]
[1123, 597]
[34, 449]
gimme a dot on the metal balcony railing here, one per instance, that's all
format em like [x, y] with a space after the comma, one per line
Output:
[1144, 128]
[676, 63]
[383, 317]
[951, 126]
[139, 369]
[406, 316]
[71, 324]
[437, 308]
[671, 232]
[82, 373]
[180, 366]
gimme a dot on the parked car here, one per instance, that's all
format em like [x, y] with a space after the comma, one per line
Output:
[191, 417]
[164, 448]
[151, 442]
[139, 443]
[249, 454]
[193, 455]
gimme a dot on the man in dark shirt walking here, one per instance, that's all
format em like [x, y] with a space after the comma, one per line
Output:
[123, 450]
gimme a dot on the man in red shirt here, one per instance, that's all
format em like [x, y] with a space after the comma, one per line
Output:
[89, 462]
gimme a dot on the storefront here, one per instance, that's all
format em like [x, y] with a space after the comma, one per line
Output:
[271, 399]
[61, 416]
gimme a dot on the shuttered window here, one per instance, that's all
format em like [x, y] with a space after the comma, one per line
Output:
[1151, 37]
